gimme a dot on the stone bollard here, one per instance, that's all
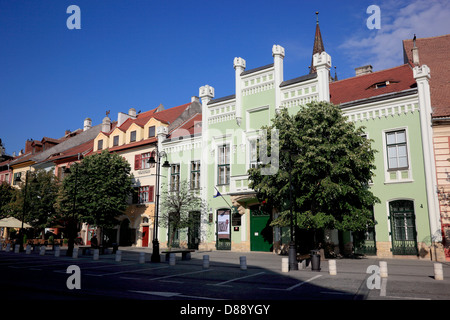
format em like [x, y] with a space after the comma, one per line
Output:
[57, 251]
[42, 251]
[118, 256]
[75, 253]
[96, 254]
[142, 257]
[16, 248]
[205, 262]
[383, 269]
[284, 264]
[332, 267]
[172, 259]
[243, 262]
[28, 250]
[8, 247]
[438, 272]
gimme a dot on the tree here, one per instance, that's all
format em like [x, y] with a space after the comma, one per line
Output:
[7, 194]
[176, 209]
[329, 163]
[40, 192]
[97, 190]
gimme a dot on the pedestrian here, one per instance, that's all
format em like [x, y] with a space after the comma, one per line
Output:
[94, 242]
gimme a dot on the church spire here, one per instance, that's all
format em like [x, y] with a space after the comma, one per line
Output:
[318, 43]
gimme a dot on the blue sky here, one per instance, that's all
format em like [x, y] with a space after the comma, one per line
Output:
[140, 53]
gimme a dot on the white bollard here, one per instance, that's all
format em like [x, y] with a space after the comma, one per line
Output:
[205, 262]
[172, 259]
[57, 251]
[243, 262]
[285, 265]
[28, 250]
[75, 253]
[16, 248]
[142, 257]
[8, 247]
[332, 267]
[438, 272]
[96, 254]
[383, 269]
[118, 256]
[42, 251]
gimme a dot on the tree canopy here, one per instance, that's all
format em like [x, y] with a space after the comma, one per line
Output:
[37, 198]
[97, 189]
[329, 164]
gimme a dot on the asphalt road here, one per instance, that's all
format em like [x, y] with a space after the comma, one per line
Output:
[223, 285]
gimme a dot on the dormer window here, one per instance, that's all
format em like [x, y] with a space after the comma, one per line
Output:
[382, 84]
[133, 136]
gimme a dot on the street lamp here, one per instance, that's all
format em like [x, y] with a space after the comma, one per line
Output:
[293, 265]
[18, 179]
[155, 254]
[72, 227]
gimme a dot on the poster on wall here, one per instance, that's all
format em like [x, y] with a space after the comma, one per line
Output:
[223, 224]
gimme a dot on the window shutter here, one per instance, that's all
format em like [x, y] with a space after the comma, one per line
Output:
[151, 191]
[137, 162]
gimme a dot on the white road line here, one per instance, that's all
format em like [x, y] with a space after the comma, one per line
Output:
[294, 286]
[180, 274]
[126, 271]
[383, 287]
[222, 283]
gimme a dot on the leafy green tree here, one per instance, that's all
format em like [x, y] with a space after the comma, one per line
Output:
[96, 191]
[176, 209]
[37, 198]
[7, 194]
[329, 164]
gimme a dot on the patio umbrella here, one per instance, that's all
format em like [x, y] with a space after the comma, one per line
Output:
[12, 222]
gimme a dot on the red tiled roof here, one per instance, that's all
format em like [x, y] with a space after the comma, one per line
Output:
[166, 116]
[132, 145]
[435, 53]
[189, 127]
[362, 87]
[83, 148]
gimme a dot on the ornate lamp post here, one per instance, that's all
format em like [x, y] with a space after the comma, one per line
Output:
[72, 225]
[155, 254]
[292, 253]
[18, 179]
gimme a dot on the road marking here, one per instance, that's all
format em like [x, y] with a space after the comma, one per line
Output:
[180, 274]
[38, 265]
[383, 287]
[222, 283]
[173, 294]
[294, 286]
[126, 271]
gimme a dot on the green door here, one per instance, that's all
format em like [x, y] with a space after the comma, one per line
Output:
[403, 227]
[261, 233]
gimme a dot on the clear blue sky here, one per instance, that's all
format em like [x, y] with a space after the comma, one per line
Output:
[140, 53]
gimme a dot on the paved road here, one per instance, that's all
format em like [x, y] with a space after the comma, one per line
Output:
[46, 277]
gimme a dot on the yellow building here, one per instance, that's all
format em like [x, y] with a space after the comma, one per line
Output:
[135, 138]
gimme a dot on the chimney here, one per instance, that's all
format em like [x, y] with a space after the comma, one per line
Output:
[28, 148]
[363, 70]
[195, 99]
[66, 132]
[106, 124]
[132, 112]
[87, 124]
